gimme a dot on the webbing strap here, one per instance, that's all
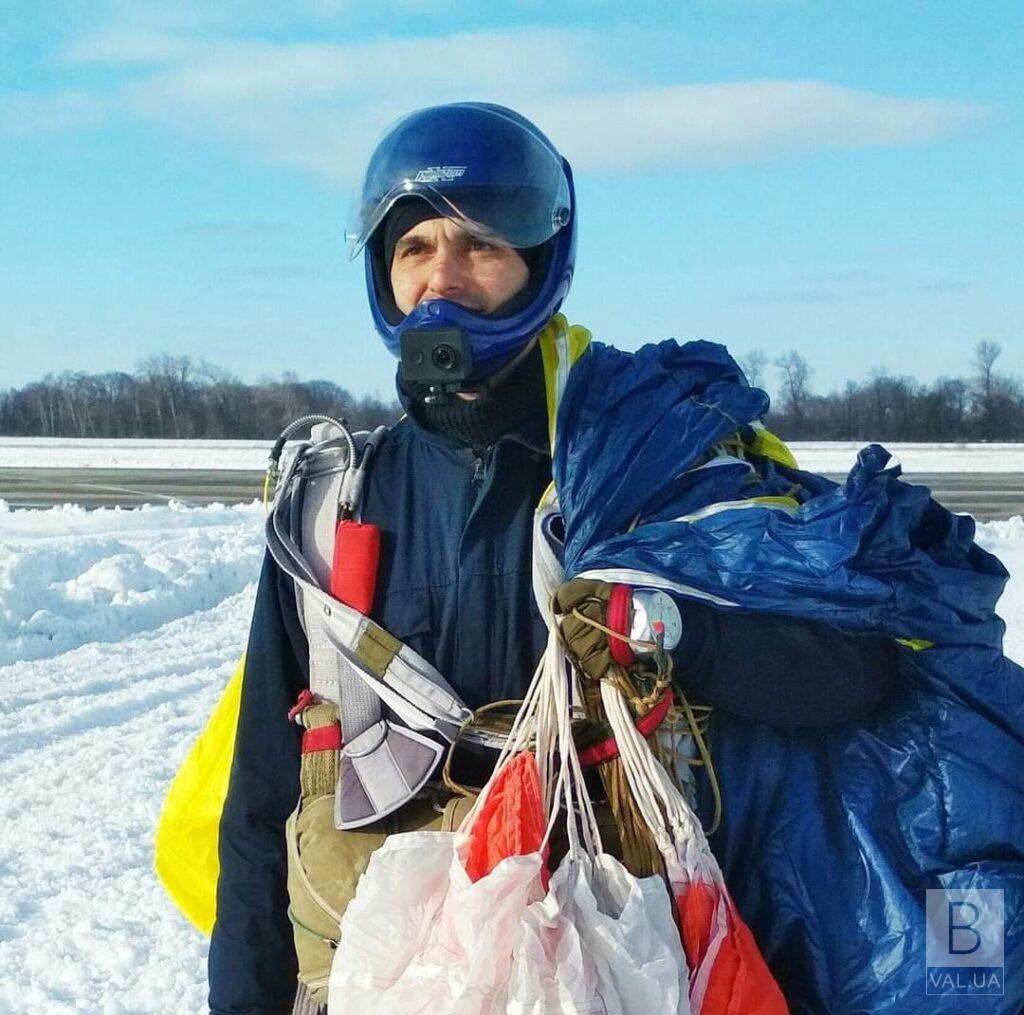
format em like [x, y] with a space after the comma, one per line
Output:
[304, 1003]
[331, 675]
[548, 573]
[376, 648]
[397, 677]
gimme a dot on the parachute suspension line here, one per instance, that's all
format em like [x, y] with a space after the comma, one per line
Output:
[501, 725]
[640, 853]
[639, 849]
[698, 727]
[641, 646]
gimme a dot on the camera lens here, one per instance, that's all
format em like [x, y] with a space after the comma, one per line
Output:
[445, 357]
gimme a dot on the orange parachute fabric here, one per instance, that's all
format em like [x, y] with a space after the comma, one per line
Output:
[511, 820]
[728, 973]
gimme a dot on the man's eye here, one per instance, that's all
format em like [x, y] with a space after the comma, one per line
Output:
[482, 245]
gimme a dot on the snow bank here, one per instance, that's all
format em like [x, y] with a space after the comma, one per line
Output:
[68, 577]
[816, 456]
[1006, 540]
[840, 456]
[118, 630]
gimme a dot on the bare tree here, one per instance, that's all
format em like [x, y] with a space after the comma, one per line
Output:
[985, 355]
[794, 377]
[173, 396]
[753, 364]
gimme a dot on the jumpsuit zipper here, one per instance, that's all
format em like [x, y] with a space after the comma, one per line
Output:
[480, 463]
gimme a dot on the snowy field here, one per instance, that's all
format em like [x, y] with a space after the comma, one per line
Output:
[118, 630]
[815, 456]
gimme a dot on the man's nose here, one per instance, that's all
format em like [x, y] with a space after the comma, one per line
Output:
[447, 273]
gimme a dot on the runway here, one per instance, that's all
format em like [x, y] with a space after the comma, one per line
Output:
[986, 495]
[93, 488]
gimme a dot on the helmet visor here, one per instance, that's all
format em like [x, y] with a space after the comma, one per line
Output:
[517, 193]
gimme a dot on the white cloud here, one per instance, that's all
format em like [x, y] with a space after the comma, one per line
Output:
[254, 71]
[127, 46]
[742, 122]
[317, 106]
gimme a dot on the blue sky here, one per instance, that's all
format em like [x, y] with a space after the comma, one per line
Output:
[843, 179]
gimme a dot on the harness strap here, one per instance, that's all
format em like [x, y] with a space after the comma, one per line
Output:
[405, 681]
[354, 661]
[331, 674]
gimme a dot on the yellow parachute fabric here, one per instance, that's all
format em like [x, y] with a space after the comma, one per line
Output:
[561, 345]
[766, 444]
[188, 834]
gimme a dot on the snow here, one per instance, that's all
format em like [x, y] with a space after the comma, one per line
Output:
[1006, 540]
[61, 453]
[815, 456]
[118, 630]
[840, 456]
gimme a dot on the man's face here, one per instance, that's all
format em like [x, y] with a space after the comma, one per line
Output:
[439, 260]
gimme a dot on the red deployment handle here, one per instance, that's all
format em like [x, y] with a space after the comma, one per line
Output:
[354, 568]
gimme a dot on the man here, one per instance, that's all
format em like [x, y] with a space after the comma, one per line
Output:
[468, 228]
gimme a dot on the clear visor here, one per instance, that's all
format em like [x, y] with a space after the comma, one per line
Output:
[525, 208]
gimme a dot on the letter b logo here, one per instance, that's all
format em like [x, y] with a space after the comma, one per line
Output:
[963, 938]
[964, 941]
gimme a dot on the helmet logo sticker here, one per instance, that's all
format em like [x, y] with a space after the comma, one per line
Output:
[439, 174]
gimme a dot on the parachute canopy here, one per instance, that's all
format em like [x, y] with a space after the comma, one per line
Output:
[831, 838]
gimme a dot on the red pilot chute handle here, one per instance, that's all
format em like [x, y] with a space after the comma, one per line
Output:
[354, 567]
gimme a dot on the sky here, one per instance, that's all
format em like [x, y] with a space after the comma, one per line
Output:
[842, 179]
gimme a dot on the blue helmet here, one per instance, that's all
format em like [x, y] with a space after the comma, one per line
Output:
[494, 173]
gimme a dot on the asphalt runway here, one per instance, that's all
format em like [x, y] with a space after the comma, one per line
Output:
[986, 495]
[92, 488]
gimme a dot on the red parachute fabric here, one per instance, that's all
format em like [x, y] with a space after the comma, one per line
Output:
[728, 973]
[511, 821]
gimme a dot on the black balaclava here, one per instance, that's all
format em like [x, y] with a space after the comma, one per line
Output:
[500, 408]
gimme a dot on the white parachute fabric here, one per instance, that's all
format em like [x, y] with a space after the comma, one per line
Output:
[601, 942]
[422, 938]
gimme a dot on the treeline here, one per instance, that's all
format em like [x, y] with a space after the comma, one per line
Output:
[176, 396]
[984, 406]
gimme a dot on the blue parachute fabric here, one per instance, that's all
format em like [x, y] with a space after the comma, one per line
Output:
[830, 838]
[693, 389]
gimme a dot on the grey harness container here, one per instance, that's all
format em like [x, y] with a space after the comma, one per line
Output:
[397, 711]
